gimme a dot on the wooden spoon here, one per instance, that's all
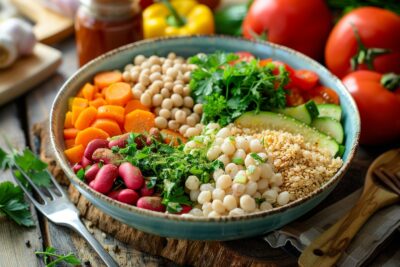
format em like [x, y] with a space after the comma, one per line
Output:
[329, 246]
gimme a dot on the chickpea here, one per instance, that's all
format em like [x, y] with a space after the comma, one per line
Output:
[183, 129]
[167, 79]
[173, 112]
[128, 67]
[236, 212]
[265, 206]
[165, 113]
[206, 187]
[187, 111]
[187, 91]
[178, 89]
[188, 102]
[160, 122]
[283, 198]
[247, 203]
[139, 87]
[186, 77]
[171, 55]
[262, 184]
[270, 195]
[154, 60]
[253, 173]
[144, 79]
[167, 103]
[177, 99]
[196, 117]
[239, 154]
[180, 116]
[207, 208]
[156, 68]
[145, 64]
[165, 93]
[191, 121]
[134, 76]
[139, 59]
[195, 211]
[155, 76]
[172, 72]
[192, 131]
[145, 71]
[157, 111]
[169, 85]
[145, 99]
[157, 100]
[173, 125]
[126, 76]
[198, 108]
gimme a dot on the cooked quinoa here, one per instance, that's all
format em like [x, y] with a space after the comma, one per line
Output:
[304, 166]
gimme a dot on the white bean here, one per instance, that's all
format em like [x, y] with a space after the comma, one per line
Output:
[228, 148]
[256, 146]
[266, 171]
[213, 214]
[196, 212]
[217, 173]
[265, 206]
[247, 203]
[206, 187]
[238, 189]
[236, 212]
[270, 195]
[204, 197]
[194, 195]
[213, 153]
[249, 160]
[224, 181]
[253, 173]
[251, 188]
[229, 202]
[224, 132]
[231, 169]
[242, 143]
[224, 159]
[218, 206]
[262, 184]
[192, 182]
[207, 208]
[283, 198]
[276, 179]
[160, 122]
[218, 193]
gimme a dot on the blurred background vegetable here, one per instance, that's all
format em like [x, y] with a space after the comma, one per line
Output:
[348, 5]
[378, 101]
[368, 36]
[229, 19]
[301, 25]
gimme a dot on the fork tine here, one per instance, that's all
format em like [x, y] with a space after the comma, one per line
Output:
[26, 191]
[385, 179]
[58, 186]
[40, 193]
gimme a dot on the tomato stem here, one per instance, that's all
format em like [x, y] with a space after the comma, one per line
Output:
[174, 19]
[391, 81]
[365, 55]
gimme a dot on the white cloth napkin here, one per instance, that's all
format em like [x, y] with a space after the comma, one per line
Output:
[372, 234]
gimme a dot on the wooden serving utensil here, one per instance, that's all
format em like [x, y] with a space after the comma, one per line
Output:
[381, 188]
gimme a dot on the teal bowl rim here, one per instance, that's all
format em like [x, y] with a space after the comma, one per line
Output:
[71, 175]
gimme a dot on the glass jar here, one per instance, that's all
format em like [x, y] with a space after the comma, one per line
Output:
[102, 25]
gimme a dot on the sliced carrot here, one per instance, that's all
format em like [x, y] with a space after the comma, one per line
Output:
[85, 118]
[139, 121]
[74, 154]
[109, 126]
[172, 136]
[76, 110]
[68, 120]
[104, 79]
[98, 102]
[88, 91]
[70, 133]
[98, 95]
[133, 105]
[80, 94]
[69, 143]
[85, 136]
[111, 112]
[80, 102]
[118, 94]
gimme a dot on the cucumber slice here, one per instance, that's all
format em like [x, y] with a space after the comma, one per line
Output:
[341, 151]
[330, 110]
[305, 113]
[276, 121]
[330, 127]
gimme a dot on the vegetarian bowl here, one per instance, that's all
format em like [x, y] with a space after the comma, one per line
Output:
[235, 155]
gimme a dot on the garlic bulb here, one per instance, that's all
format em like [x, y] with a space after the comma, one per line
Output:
[8, 51]
[22, 34]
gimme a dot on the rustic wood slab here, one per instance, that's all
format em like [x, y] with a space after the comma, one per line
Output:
[28, 71]
[17, 243]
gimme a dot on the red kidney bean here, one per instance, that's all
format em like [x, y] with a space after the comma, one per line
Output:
[76, 167]
[185, 209]
[107, 156]
[140, 141]
[151, 203]
[128, 196]
[131, 175]
[155, 133]
[105, 178]
[93, 145]
[146, 192]
[85, 162]
[119, 141]
[114, 194]
[91, 173]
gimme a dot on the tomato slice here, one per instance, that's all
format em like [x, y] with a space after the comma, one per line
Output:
[243, 57]
[323, 94]
[294, 97]
[305, 79]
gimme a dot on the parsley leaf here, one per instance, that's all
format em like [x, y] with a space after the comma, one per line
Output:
[51, 258]
[81, 174]
[227, 91]
[13, 205]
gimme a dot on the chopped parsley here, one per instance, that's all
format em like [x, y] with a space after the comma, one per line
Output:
[51, 258]
[227, 91]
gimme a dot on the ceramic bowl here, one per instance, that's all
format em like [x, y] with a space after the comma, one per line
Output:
[224, 228]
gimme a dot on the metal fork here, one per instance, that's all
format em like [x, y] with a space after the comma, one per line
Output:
[60, 210]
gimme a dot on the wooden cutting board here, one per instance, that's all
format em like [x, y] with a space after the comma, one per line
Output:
[28, 71]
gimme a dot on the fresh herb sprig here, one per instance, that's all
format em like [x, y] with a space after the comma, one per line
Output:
[51, 258]
[168, 167]
[13, 205]
[228, 90]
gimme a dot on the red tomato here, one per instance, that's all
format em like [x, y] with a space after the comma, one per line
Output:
[301, 25]
[185, 209]
[305, 79]
[294, 97]
[377, 28]
[323, 94]
[379, 108]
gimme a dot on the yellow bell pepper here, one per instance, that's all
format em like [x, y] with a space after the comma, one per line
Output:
[177, 17]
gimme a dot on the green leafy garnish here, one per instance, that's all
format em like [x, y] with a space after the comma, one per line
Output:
[259, 200]
[13, 205]
[227, 91]
[29, 163]
[81, 174]
[257, 157]
[51, 258]
[238, 161]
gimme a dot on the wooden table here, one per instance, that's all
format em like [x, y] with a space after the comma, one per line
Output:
[17, 244]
